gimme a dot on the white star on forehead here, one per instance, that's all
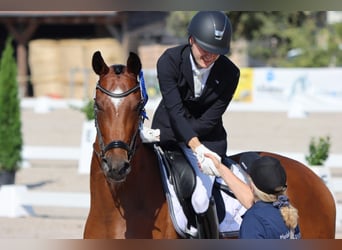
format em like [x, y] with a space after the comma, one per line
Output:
[117, 101]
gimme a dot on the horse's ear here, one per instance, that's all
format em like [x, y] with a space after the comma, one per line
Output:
[99, 65]
[133, 63]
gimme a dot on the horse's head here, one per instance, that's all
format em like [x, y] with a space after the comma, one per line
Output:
[118, 114]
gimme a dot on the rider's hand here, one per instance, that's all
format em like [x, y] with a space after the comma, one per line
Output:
[201, 150]
[149, 135]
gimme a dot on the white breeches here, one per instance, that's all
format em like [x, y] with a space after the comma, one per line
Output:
[204, 183]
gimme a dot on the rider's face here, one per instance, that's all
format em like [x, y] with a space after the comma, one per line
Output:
[202, 57]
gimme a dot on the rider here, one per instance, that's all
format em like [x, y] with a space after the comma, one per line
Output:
[197, 83]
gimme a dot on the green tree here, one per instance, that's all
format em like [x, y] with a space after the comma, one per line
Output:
[10, 119]
[318, 151]
[177, 23]
[335, 44]
[88, 110]
[290, 39]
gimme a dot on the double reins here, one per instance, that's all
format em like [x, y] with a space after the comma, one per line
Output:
[130, 148]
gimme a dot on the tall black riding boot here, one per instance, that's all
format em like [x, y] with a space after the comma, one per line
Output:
[207, 222]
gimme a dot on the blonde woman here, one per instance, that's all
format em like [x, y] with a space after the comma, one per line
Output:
[271, 216]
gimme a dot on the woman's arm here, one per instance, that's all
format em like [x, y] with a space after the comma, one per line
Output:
[241, 190]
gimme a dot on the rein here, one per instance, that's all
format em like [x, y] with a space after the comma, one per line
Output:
[130, 148]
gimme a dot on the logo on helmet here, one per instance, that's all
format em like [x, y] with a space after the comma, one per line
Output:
[219, 33]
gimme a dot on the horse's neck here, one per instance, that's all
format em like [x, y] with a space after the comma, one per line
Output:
[136, 207]
[144, 167]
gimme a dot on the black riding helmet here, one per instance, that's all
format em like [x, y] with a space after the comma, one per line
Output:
[212, 30]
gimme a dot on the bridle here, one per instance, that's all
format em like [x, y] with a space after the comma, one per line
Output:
[131, 146]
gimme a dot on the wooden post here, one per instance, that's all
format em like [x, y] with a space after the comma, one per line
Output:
[22, 69]
[22, 33]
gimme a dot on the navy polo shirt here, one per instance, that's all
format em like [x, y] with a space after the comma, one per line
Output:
[264, 221]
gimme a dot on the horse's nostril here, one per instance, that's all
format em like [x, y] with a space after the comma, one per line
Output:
[125, 168]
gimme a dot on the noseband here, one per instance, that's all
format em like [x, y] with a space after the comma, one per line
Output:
[130, 148]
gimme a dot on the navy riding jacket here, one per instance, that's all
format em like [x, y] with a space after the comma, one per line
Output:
[180, 115]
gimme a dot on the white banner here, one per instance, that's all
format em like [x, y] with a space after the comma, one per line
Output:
[278, 89]
[309, 89]
[286, 84]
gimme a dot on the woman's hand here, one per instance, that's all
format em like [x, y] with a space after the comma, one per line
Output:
[241, 190]
[217, 164]
[207, 166]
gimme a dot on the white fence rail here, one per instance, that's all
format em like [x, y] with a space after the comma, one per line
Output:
[18, 201]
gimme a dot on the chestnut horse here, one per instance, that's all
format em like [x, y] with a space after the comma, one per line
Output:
[127, 197]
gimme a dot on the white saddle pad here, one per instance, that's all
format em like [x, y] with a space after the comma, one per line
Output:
[234, 209]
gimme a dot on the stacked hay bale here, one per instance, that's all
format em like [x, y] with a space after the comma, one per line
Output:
[73, 68]
[44, 65]
[62, 68]
[149, 54]
[112, 52]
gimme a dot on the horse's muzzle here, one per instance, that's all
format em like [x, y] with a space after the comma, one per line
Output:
[115, 171]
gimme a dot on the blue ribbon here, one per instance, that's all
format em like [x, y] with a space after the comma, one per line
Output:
[283, 201]
[144, 95]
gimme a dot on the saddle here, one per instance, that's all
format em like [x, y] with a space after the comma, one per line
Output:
[182, 177]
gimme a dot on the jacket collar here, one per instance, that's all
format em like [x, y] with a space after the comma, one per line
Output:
[186, 66]
[186, 70]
